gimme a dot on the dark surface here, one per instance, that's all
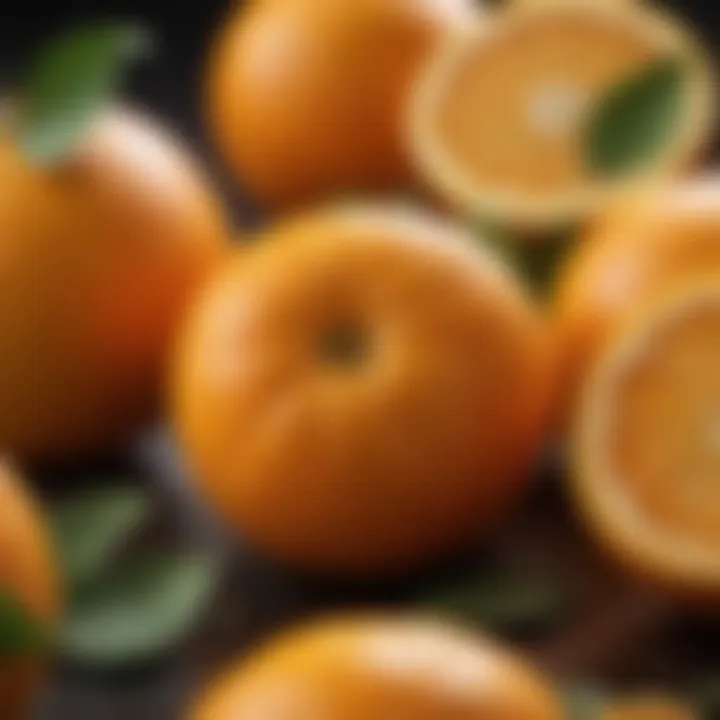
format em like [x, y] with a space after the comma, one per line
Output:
[611, 631]
[619, 630]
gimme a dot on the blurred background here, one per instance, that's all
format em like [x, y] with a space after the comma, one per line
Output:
[170, 84]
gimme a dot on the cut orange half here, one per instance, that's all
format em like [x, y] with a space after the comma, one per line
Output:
[499, 119]
[647, 456]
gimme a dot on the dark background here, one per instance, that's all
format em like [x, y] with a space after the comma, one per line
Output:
[171, 83]
[256, 596]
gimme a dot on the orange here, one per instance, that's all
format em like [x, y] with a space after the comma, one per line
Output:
[364, 390]
[649, 707]
[659, 238]
[99, 257]
[647, 451]
[362, 668]
[498, 119]
[306, 97]
[28, 574]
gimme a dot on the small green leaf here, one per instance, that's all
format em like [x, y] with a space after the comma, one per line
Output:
[502, 603]
[141, 611]
[92, 528]
[20, 634]
[636, 120]
[71, 79]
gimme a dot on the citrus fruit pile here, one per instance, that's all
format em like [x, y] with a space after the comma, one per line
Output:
[371, 383]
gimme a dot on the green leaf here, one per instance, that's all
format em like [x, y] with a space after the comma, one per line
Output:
[502, 603]
[92, 528]
[141, 611]
[20, 634]
[635, 121]
[70, 80]
[536, 260]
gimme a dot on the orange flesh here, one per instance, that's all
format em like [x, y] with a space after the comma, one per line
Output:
[512, 116]
[666, 427]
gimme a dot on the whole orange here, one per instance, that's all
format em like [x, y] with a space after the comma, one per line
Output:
[665, 236]
[363, 668]
[99, 256]
[306, 97]
[28, 575]
[364, 390]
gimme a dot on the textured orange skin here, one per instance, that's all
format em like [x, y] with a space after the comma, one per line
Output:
[385, 466]
[358, 669]
[28, 570]
[98, 257]
[306, 97]
[646, 247]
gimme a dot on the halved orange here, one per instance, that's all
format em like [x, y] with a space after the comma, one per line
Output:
[647, 453]
[498, 121]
